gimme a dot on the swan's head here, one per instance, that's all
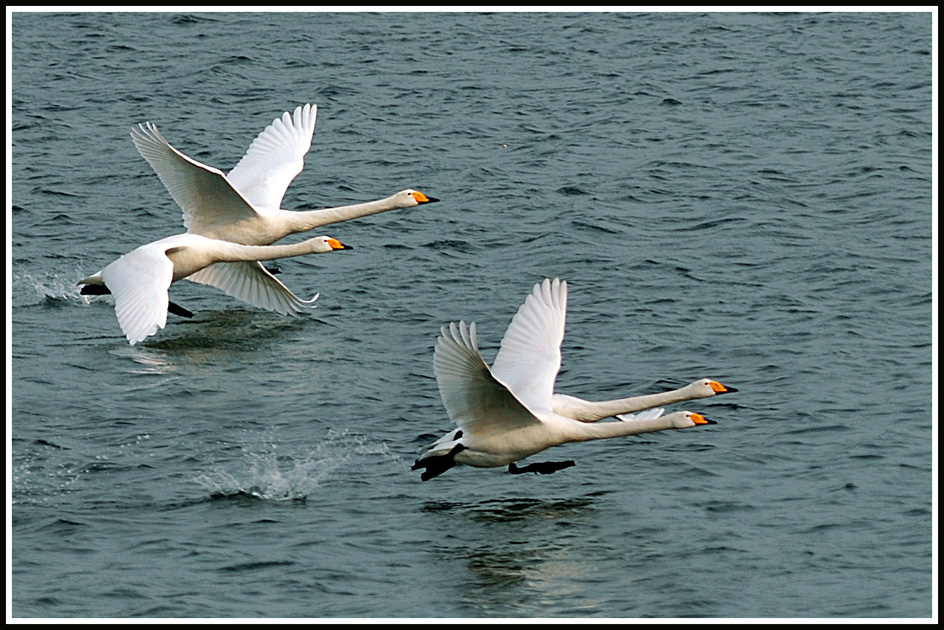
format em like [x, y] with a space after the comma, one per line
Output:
[689, 419]
[705, 388]
[325, 244]
[409, 198]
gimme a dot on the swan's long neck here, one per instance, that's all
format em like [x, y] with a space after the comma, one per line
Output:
[587, 411]
[234, 252]
[305, 220]
[190, 259]
[581, 431]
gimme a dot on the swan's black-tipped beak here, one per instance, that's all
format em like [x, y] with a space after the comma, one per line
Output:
[336, 244]
[421, 198]
[720, 388]
[699, 419]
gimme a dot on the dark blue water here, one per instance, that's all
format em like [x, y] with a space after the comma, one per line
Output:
[745, 197]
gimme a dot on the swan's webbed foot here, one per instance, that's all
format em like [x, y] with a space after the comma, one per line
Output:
[177, 309]
[94, 289]
[273, 270]
[542, 468]
[437, 464]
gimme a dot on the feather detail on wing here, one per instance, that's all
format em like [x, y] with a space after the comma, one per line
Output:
[530, 356]
[275, 157]
[252, 283]
[207, 198]
[139, 282]
[474, 399]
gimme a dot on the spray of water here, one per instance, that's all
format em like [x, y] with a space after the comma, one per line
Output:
[267, 472]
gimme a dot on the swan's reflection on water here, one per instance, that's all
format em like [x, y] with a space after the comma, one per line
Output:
[521, 555]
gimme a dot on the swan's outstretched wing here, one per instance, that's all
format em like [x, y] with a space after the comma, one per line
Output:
[207, 198]
[275, 157]
[139, 281]
[474, 399]
[252, 283]
[530, 357]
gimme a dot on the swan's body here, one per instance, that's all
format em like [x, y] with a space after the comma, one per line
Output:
[587, 411]
[140, 279]
[244, 206]
[506, 413]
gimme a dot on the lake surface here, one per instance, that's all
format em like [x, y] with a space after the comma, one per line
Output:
[745, 197]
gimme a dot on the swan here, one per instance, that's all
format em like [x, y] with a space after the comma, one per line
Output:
[587, 411]
[140, 279]
[244, 205]
[505, 413]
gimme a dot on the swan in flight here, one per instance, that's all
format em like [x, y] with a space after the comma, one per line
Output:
[587, 411]
[244, 206]
[140, 279]
[506, 413]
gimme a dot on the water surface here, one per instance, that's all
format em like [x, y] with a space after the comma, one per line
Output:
[745, 197]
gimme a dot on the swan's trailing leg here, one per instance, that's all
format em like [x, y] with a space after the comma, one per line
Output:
[101, 289]
[177, 309]
[437, 464]
[543, 468]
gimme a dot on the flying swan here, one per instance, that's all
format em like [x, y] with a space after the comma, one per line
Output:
[506, 413]
[244, 206]
[140, 279]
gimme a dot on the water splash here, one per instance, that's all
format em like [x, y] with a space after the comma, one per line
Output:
[271, 474]
[29, 288]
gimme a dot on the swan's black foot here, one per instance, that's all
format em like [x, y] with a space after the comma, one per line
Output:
[542, 468]
[101, 289]
[273, 270]
[437, 464]
[177, 309]
[94, 289]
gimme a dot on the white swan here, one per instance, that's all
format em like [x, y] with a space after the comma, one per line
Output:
[244, 206]
[506, 413]
[588, 411]
[140, 279]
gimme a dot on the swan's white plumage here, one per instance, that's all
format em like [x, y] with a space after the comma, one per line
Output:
[474, 399]
[530, 357]
[208, 199]
[275, 158]
[251, 282]
[140, 279]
